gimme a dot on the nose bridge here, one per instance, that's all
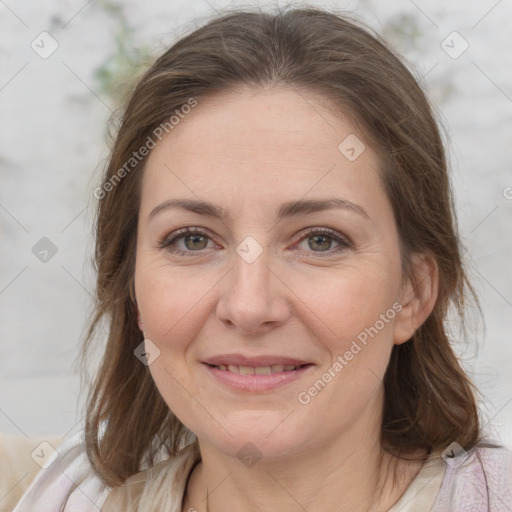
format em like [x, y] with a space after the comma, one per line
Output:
[251, 267]
[251, 296]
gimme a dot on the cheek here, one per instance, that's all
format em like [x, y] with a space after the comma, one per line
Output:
[171, 299]
[352, 318]
[346, 300]
[181, 393]
[173, 303]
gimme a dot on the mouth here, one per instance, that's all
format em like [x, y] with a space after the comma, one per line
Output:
[259, 370]
[259, 374]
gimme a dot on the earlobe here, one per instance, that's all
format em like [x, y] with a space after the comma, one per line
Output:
[419, 296]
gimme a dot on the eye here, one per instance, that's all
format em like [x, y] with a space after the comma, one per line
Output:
[322, 239]
[194, 240]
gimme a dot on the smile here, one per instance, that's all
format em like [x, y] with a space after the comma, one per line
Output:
[256, 379]
[258, 370]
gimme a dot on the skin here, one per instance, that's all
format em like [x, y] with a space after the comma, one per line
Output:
[249, 151]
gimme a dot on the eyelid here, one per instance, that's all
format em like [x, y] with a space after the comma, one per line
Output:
[344, 241]
[332, 233]
[181, 233]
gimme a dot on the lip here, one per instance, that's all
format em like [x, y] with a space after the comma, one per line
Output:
[255, 383]
[263, 360]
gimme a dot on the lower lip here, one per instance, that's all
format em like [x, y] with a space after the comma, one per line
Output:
[256, 383]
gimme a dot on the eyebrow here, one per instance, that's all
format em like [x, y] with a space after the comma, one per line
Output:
[286, 210]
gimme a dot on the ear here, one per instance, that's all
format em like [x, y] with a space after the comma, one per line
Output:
[418, 297]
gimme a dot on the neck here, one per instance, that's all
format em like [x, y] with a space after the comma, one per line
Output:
[350, 473]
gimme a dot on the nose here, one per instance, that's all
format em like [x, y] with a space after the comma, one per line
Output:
[253, 297]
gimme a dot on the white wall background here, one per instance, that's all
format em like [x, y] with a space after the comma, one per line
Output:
[53, 114]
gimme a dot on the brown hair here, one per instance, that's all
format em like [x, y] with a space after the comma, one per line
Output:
[429, 400]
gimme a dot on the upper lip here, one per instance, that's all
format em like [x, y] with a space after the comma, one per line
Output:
[263, 360]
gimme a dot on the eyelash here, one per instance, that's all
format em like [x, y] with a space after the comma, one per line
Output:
[168, 241]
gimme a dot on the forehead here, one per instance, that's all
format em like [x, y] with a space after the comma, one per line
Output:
[262, 144]
[282, 120]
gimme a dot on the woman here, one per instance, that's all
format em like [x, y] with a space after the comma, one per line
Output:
[277, 250]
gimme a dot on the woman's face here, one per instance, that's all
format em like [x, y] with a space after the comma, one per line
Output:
[270, 281]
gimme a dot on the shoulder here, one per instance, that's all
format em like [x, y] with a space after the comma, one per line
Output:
[66, 467]
[21, 459]
[160, 487]
[478, 480]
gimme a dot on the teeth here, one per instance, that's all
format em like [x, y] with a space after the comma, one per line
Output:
[258, 370]
[246, 370]
[262, 370]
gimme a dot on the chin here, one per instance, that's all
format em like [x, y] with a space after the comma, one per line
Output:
[257, 434]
